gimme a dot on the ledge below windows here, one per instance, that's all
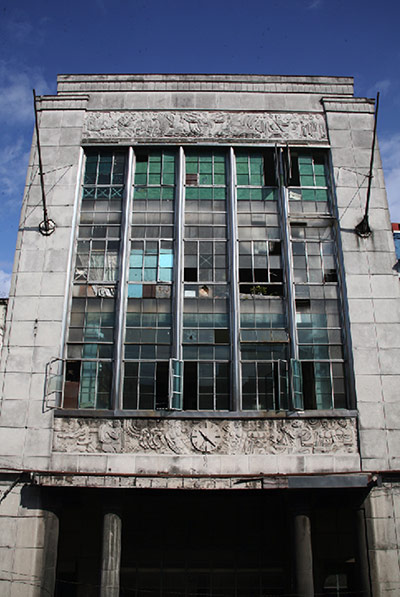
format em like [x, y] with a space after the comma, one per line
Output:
[186, 414]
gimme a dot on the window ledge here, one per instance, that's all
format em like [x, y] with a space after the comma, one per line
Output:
[171, 414]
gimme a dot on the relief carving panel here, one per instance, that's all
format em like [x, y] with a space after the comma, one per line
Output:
[169, 125]
[219, 436]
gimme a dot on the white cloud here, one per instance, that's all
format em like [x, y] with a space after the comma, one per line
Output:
[382, 86]
[16, 100]
[314, 4]
[390, 152]
[14, 159]
[5, 279]
[17, 27]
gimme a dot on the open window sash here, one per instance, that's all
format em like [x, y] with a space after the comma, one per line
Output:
[175, 385]
[296, 382]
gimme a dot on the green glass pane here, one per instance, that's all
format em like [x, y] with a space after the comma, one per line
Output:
[91, 169]
[256, 194]
[141, 179]
[219, 178]
[305, 160]
[205, 179]
[256, 166]
[191, 167]
[306, 169]
[154, 193]
[308, 195]
[89, 351]
[168, 156]
[269, 195]
[219, 167]
[321, 195]
[141, 167]
[243, 179]
[319, 169]
[169, 167]
[322, 370]
[306, 181]
[155, 178]
[167, 193]
[320, 181]
[219, 194]
[192, 193]
[88, 385]
[206, 193]
[243, 194]
[205, 168]
[140, 193]
[105, 165]
[256, 180]
[219, 158]
[168, 178]
[242, 167]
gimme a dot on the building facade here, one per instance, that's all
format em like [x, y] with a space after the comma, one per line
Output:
[203, 318]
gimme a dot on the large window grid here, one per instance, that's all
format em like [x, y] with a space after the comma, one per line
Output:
[206, 385]
[318, 321]
[148, 327]
[265, 338]
[263, 321]
[90, 347]
[104, 175]
[205, 325]
[314, 254]
[308, 182]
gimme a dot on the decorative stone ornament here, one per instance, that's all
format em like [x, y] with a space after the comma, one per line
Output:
[168, 125]
[221, 436]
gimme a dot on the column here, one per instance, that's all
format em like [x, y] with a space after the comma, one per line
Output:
[302, 550]
[111, 555]
[362, 564]
[50, 550]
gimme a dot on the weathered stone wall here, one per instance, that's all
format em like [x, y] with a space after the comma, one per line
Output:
[372, 285]
[22, 539]
[382, 509]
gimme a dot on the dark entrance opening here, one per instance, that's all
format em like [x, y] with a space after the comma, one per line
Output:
[205, 544]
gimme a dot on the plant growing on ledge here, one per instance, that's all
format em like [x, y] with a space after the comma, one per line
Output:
[259, 290]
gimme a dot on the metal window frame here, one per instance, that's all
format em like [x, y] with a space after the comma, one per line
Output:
[178, 284]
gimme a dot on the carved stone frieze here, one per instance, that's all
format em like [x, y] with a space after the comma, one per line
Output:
[169, 125]
[219, 436]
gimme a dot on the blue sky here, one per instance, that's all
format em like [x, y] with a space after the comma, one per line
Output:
[40, 39]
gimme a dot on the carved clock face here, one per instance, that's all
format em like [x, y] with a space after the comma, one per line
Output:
[206, 437]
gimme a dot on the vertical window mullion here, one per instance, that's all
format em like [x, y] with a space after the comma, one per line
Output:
[283, 194]
[121, 299]
[288, 259]
[177, 308]
[234, 278]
